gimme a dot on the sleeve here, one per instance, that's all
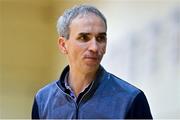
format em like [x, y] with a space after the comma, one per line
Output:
[35, 112]
[139, 108]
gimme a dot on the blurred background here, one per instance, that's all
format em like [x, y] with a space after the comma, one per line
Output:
[143, 49]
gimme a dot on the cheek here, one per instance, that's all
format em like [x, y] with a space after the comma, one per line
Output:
[103, 49]
[76, 50]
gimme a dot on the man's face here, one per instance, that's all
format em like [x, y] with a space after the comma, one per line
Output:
[87, 42]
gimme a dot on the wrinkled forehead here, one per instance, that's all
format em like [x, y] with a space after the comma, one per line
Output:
[88, 15]
[89, 23]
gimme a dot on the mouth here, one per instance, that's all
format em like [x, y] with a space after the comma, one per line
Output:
[95, 58]
[91, 58]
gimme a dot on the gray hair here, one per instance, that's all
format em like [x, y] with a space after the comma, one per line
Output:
[65, 20]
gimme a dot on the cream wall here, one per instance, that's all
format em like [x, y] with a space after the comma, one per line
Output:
[29, 57]
[28, 47]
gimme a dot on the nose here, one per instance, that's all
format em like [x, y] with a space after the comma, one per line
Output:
[93, 46]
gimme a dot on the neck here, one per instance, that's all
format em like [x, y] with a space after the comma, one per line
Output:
[78, 81]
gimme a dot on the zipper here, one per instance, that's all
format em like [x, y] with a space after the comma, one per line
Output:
[73, 101]
[85, 93]
[77, 110]
[77, 105]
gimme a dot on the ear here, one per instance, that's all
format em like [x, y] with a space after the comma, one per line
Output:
[62, 45]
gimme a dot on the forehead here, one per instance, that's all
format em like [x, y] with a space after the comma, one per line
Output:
[88, 23]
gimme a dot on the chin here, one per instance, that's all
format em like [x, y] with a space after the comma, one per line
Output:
[92, 66]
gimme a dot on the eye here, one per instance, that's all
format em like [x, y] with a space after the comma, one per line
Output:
[84, 38]
[101, 38]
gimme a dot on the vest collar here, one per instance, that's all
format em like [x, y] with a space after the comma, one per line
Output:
[99, 78]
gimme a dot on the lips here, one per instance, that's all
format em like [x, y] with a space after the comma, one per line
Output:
[92, 57]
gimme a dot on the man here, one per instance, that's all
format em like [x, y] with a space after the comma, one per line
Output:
[85, 90]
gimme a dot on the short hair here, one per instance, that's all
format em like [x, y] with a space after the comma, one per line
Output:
[65, 20]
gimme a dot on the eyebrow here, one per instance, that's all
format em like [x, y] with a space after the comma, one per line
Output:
[83, 33]
[103, 33]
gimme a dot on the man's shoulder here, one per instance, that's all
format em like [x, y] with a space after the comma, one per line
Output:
[121, 85]
[47, 89]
